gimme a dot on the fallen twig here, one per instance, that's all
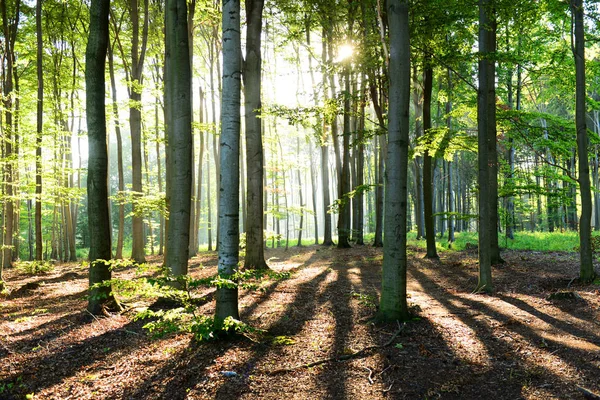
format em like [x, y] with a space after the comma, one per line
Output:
[344, 357]
[370, 377]
[588, 394]
[388, 389]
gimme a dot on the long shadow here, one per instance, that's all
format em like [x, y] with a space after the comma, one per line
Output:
[55, 306]
[492, 378]
[299, 311]
[186, 371]
[335, 375]
[555, 322]
[39, 373]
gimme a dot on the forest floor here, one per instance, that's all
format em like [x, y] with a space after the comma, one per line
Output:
[536, 337]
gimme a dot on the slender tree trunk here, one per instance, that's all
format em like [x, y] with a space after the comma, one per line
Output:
[427, 164]
[10, 33]
[378, 242]
[38, 138]
[201, 119]
[344, 206]
[586, 273]
[313, 184]
[135, 124]
[208, 202]
[115, 109]
[193, 235]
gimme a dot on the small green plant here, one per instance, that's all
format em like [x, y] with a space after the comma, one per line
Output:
[366, 300]
[283, 341]
[34, 267]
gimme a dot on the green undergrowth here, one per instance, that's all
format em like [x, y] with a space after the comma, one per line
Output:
[177, 299]
[34, 267]
[533, 241]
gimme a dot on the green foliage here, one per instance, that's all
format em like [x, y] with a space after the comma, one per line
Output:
[366, 300]
[283, 341]
[34, 267]
[534, 241]
[181, 291]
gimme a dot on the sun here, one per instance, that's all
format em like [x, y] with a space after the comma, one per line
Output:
[345, 51]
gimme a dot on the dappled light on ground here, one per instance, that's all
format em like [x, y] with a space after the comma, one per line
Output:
[517, 343]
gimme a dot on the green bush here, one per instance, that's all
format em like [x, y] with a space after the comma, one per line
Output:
[34, 267]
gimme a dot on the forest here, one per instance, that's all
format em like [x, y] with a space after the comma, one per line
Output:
[303, 199]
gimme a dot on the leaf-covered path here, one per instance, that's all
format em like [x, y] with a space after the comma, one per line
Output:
[523, 342]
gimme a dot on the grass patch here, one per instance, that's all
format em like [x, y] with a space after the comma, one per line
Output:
[534, 241]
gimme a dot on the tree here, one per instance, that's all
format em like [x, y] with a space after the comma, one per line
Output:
[393, 305]
[39, 128]
[486, 111]
[586, 273]
[255, 257]
[9, 28]
[97, 181]
[179, 132]
[229, 218]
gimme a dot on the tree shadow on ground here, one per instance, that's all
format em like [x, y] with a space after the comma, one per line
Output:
[507, 353]
[49, 369]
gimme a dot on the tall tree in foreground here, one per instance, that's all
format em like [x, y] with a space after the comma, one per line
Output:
[586, 273]
[228, 235]
[39, 129]
[179, 133]
[255, 255]
[486, 110]
[97, 181]
[9, 28]
[393, 304]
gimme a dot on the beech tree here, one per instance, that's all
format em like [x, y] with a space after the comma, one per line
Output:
[393, 305]
[486, 120]
[586, 273]
[97, 181]
[228, 235]
[255, 257]
[179, 133]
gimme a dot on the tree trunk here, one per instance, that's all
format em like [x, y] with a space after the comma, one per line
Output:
[485, 110]
[378, 242]
[228, 234]
[97, 183]
[427, 164]
[255, 257]
[393, 305]
[586, 273]
[180, 140]
[39, 130]
[135, 125]
[344, 205]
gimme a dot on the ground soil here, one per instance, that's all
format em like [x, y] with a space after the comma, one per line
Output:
[536, 337]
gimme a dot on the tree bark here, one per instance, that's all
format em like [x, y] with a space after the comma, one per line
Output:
[485, 101]
[180, 140]
[97, 182]
[255, 256]
[393, 305]
[38, 138]
[586, 272]
[427, 164]
[228, 231]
